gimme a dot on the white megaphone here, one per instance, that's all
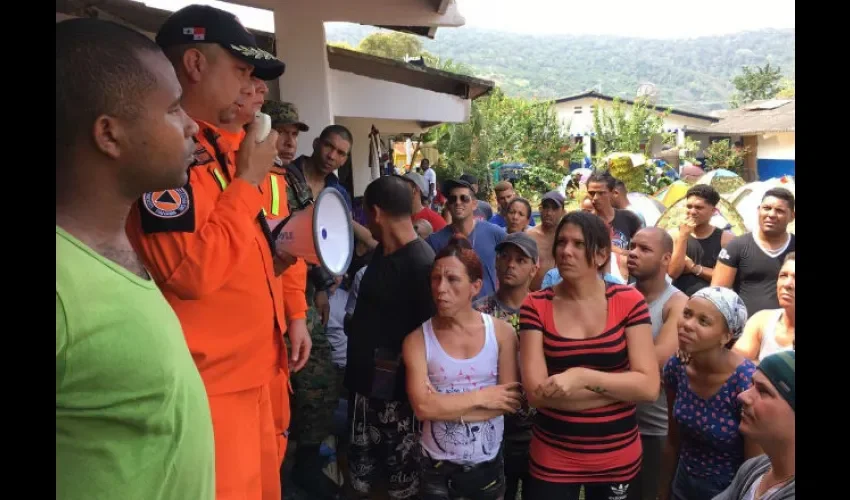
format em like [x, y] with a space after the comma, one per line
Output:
[321, 234]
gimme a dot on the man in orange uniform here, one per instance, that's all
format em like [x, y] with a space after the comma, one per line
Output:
[208, 247]
[276, 207]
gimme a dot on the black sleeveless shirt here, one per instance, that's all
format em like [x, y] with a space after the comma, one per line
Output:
[703, 252]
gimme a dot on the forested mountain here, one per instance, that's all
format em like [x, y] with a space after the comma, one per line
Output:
[690, 74]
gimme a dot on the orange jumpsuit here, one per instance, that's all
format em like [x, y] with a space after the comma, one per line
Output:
[276, 205]
[206, 248]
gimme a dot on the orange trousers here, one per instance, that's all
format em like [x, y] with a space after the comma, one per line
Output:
[247, 466]
[279, 389]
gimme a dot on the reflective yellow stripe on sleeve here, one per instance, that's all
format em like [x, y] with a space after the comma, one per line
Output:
[222, 182]
[275, 196]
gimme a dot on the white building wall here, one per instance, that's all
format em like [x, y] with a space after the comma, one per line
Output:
[356, 95]
[581, 123]
[777, 146]
[578, 115]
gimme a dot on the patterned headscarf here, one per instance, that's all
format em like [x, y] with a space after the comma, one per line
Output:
[730, 306]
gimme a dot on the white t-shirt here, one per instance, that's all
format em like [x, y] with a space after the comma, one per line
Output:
[431, 178]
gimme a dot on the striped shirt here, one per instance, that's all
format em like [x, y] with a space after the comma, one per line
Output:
[593, 446]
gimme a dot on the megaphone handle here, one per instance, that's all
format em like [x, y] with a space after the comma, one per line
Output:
[261, 217]
[277, 230]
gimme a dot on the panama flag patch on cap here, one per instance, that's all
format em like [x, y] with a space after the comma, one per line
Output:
[197, 33]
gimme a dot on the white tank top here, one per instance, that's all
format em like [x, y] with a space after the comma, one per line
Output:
[471, 442]
[769, 345]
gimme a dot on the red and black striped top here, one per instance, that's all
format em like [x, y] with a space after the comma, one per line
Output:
[592, 446]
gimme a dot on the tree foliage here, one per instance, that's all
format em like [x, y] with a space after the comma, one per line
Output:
[692, 74]
[342, 45]
[786, 89]
[624, 128]
[628, 129]
[755, 84]
[510, 130]
[393, 45]
[721, 154]
[687, 150]
[398, 46]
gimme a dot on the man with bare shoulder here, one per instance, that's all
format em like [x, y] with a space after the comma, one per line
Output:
[551, 211]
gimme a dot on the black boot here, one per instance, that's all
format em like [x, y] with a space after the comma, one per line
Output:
[307, 474]
[290, 490]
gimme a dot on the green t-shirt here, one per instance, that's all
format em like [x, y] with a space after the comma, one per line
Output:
[132, 417]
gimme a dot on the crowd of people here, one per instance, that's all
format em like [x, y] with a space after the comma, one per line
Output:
[465, 354]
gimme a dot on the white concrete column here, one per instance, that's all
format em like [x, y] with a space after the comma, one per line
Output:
[300, 37]
[680, 137]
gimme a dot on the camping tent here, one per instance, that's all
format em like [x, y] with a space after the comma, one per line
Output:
[724, 181]
[672, 193]
[749, 198]
[725, 217]
[650, 208]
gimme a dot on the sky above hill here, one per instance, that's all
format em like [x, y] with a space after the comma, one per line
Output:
[643, 19]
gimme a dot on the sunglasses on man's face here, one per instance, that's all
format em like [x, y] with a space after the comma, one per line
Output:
[464, 198]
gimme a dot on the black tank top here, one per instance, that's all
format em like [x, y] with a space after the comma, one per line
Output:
[703, 252]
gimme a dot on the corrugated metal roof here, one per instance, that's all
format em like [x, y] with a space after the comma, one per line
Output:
[597, 95]
[758, 117]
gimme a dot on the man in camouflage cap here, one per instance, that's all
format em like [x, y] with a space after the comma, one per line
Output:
[285, 120]
[316, 387]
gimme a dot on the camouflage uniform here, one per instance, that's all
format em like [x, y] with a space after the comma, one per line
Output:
[316, 394]
[315, 386]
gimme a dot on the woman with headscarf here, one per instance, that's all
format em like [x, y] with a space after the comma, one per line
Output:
[703, 381]
[768, 418]
[772, 330]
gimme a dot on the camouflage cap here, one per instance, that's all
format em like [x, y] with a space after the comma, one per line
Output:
[283, 113]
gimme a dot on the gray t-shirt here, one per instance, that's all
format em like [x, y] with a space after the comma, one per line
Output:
[334, 330]
[750, 472]
[652, 417]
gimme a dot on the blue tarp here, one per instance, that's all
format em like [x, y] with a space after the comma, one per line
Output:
[769, 169]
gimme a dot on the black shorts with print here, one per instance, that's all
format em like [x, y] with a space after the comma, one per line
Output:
[443, 480]
[383, 448]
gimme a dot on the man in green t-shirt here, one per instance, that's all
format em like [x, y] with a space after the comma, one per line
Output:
[132, 416]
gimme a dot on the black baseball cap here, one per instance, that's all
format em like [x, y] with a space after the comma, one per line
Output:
[555, 196]
[452, 183]
[206, 24]
[524, 242]
[469, 178]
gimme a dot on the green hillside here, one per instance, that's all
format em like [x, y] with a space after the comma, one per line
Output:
[690, 74]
